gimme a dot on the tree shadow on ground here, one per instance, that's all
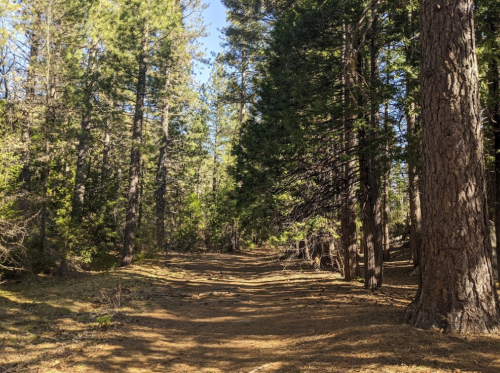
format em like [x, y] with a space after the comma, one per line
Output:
[242, 312]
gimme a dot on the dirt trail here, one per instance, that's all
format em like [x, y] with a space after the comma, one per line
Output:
[228, 313]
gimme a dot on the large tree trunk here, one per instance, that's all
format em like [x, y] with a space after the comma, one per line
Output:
[372, 221]
[457, 291]
[83, 145]
[348, 219]
[348, 210]
[135, 158]
[370, 177]
[494, 119]
[413, 150]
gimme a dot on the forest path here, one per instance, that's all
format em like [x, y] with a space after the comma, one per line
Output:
[229, 313]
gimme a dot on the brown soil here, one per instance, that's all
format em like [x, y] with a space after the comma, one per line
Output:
[246, 312]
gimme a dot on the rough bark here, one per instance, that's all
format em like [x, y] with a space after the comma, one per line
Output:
[457, 291]
[135, 158]
[370, 177]
[494, 119]
[348, 210]
[413, 150]
[372, 225]
[348, 221]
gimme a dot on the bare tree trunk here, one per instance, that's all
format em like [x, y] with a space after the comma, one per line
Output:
[135, 158]
[161, 174]
[386, 186]
[457, 292]
[117, 215]
[494, 119]
[372, 225]
[215, 164]
[45, 179]
[140, 215]
[49, 120]
[242, 113]
[386, 208]
[105, 161]
[348, 210]
[243, 104]
[349, 241]
[235, 236]
[370, 177]
[413, 151]
[83, 145]
[414, 186]
[50, 88]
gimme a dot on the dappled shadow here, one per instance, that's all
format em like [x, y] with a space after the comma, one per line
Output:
[242, 312]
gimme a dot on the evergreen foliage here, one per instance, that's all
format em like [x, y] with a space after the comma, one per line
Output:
[310, 122]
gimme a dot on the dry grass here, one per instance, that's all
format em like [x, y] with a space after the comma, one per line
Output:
[224, 313]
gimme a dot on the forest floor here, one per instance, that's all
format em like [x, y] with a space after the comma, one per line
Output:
[246, 312]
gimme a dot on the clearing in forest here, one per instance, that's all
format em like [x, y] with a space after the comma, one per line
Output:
[246, 312]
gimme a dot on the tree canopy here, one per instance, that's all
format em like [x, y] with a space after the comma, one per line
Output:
[323, 121]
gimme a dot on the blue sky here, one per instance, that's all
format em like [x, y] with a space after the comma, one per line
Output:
[215, 20]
